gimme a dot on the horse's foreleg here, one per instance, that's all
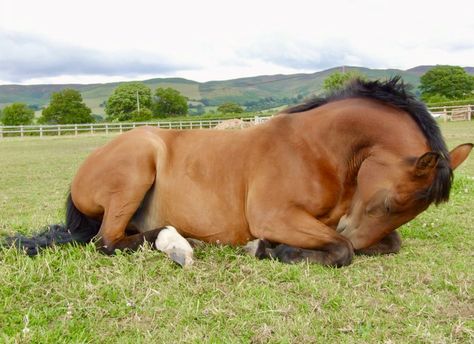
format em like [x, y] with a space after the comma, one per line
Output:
[289, 254]
[390, 244]
[301, 238]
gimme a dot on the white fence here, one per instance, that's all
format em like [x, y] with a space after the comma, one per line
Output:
[108, 128]
[451, 113]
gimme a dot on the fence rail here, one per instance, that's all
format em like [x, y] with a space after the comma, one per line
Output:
[447, 113]
[453, 113]
[108, 128]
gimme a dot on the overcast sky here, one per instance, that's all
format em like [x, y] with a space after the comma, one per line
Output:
[49, 41]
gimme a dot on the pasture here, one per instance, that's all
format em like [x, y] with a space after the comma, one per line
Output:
[75, 294]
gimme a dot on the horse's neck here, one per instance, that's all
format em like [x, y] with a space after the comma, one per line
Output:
[347, 139]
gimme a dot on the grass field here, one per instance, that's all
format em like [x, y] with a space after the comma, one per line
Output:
[425, 294]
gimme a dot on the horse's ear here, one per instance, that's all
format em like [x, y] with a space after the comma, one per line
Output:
[459, 154]
[426, 163]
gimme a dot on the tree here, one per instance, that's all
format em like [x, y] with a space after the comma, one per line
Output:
[169, 102]
[17, 114]
[230, 108]
[66, 107]
[123, 101]
[452, 82]
[338, 80]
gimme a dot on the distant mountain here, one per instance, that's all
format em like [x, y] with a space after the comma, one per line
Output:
[259, 92]
[420, 70]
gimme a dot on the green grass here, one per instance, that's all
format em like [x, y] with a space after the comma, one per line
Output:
[425, 294]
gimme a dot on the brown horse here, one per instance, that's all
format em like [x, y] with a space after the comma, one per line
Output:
[317, 182]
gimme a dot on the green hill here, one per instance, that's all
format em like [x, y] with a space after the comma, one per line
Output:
[255, 93]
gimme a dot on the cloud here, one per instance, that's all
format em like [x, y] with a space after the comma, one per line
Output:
[302, 54]
[26, 56]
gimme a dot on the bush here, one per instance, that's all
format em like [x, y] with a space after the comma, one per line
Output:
[230, 108]
[141, 116]
[17, 114]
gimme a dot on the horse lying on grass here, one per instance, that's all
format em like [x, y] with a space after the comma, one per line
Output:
[320, 181]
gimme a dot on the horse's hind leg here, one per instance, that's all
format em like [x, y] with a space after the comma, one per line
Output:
[112, 233]
[390, 244]
[121, 200]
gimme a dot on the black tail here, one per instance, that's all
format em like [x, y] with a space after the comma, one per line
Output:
[78, 229]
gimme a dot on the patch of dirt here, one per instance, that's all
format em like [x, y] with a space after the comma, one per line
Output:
[234, 124]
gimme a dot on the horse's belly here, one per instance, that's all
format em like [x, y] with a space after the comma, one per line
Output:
[193, 214]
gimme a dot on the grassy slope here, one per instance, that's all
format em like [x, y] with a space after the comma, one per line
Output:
[237, 90]
[423, 294]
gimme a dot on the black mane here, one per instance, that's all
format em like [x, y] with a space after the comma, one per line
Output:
[396, 93]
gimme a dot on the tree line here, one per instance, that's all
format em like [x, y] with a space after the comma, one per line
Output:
[135, 101]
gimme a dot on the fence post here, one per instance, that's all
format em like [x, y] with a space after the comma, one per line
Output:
[469, 112]
[445, 111]
[75, 129]
[92, 129]
[21, 130]
[41, 131]
[120, 126]
[1, 132]
[106, 128]
[180, 125]
[59, 130]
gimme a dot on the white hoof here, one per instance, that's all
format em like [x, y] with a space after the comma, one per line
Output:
[175, 246]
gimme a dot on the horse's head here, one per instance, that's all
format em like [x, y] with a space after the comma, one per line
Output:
[392, 191]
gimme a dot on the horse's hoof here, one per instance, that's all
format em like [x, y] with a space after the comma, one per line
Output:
[181, 258]
[175, 246]
[251, 247]
[259, 248]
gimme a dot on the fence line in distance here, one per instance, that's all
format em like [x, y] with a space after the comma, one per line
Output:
[463, 112]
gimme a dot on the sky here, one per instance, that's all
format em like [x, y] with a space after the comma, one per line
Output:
[91, 41]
